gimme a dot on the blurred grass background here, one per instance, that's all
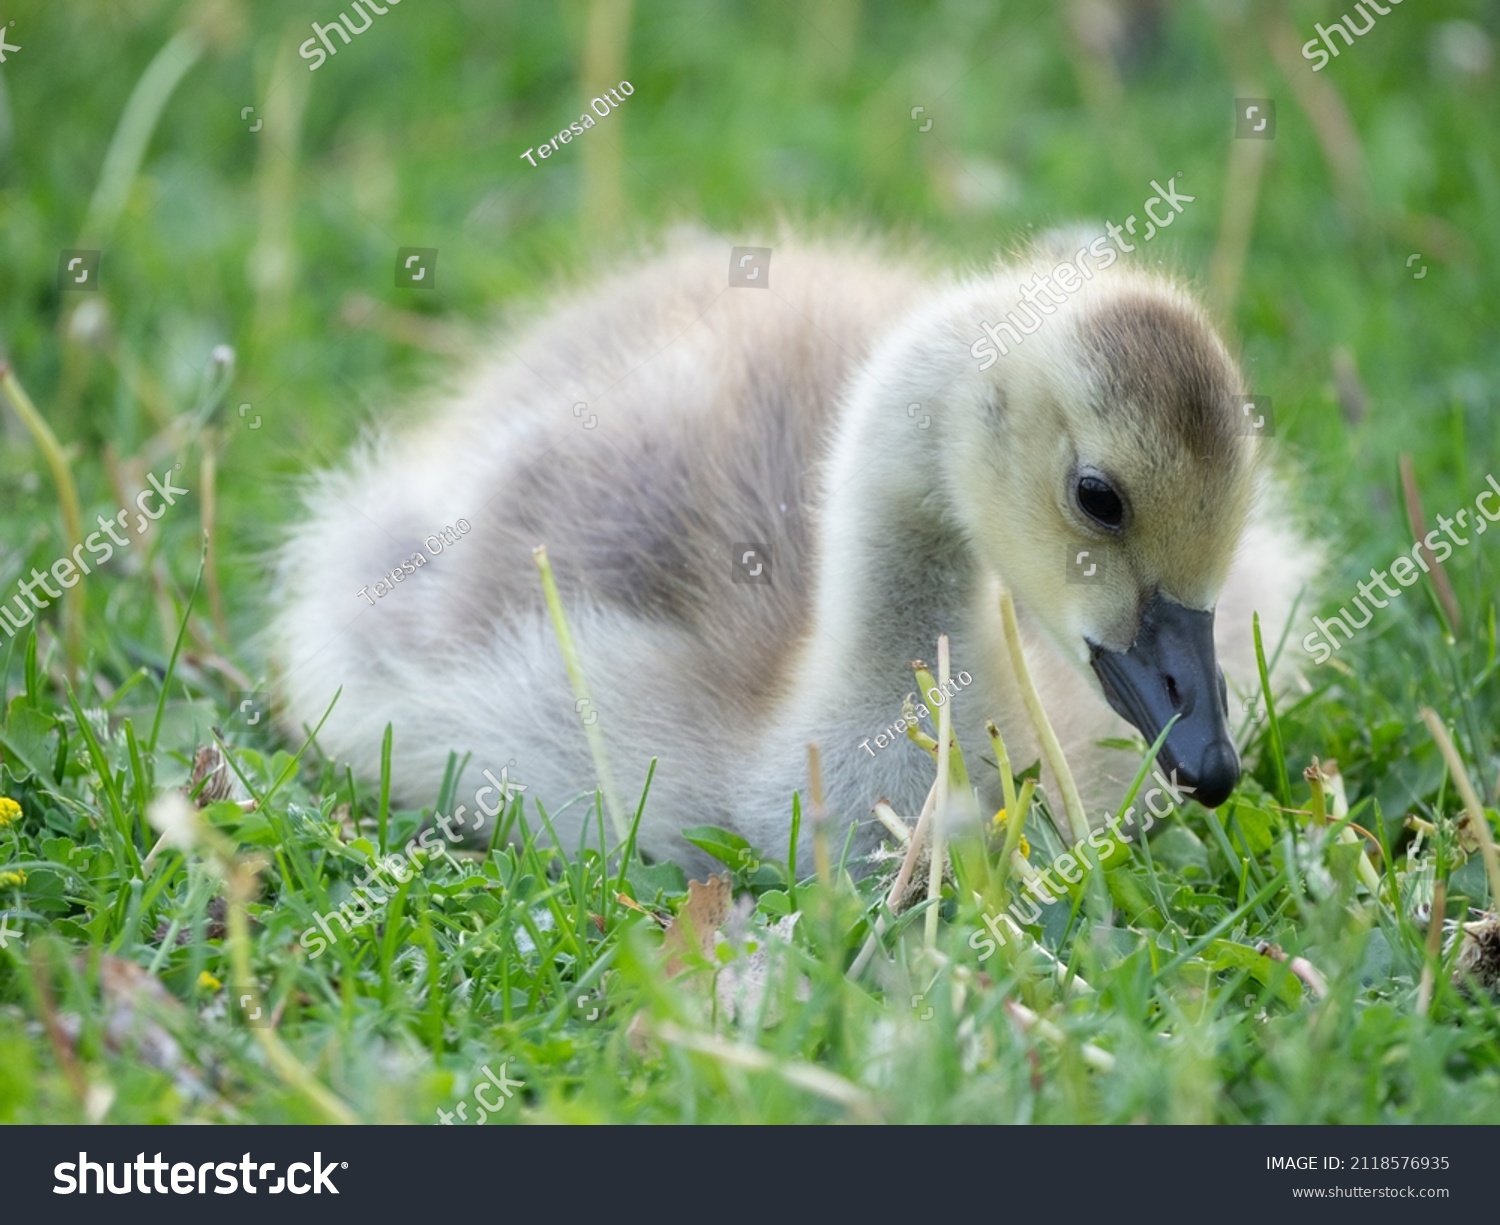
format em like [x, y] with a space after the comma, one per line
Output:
[121, 129]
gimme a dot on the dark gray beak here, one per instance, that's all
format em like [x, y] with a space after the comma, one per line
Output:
[1171, 670]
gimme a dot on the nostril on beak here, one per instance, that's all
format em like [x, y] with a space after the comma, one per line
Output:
[1172, 695]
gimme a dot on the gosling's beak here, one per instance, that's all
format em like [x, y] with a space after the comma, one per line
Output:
[1171, 670]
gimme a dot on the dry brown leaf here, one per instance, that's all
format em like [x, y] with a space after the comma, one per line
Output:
[696, 924]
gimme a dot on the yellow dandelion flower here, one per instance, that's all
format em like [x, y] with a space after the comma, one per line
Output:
[208, 982]
[1022, 845]
[12, 878]
[10, 811]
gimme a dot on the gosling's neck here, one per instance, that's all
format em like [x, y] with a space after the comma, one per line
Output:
[896, 567]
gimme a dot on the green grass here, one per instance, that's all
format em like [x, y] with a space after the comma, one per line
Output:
[543, 962]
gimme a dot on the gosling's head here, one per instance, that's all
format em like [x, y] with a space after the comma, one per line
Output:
[1106, 470]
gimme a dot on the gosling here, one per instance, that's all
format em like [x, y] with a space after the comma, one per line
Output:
[761, 502]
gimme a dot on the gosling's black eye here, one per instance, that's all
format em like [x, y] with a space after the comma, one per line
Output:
[1100, 502]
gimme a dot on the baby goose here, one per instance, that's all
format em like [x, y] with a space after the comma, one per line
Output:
[762, 506]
